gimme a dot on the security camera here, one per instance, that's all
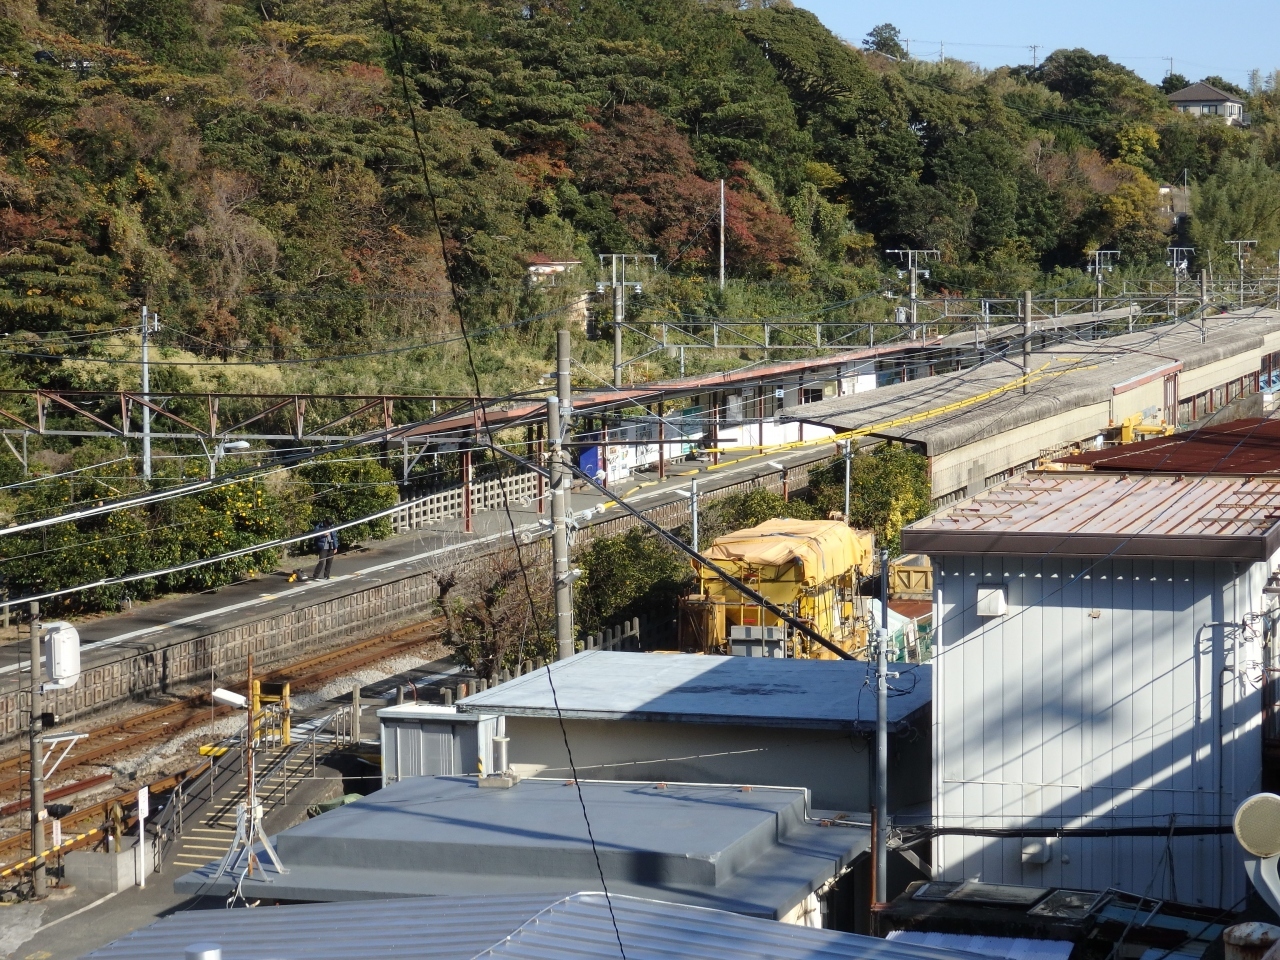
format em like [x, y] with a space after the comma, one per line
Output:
[230, 699]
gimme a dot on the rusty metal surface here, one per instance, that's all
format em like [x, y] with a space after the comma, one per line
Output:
[1089, 514]
[1242, 447]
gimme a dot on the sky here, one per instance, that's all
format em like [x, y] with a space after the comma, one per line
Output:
[1225, 39]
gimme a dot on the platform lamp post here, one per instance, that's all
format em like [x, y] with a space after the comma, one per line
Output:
[781, 468]
[62, 668]
[848, 471]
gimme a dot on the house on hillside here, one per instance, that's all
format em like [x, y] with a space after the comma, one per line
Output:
[1204, 100]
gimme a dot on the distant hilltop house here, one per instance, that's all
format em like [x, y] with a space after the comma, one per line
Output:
[1202, 99]
[540, 267]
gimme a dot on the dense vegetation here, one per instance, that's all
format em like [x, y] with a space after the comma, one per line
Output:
[254, 172]
[249, 169]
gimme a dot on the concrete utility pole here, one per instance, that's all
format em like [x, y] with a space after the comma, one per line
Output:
[848, 467]
[1242, 248]
[147, 329]
[1026, 341]
[881, 838]
[912, 260]
[37, 761]
[721, 236]
[1204, 305]
[558, 413]
[1101, 261]
[618, 281]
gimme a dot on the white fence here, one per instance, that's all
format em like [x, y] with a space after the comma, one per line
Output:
[522, 491]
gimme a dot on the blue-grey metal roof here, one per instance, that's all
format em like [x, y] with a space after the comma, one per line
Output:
[750, 850]
[687, 688]
[574, 927]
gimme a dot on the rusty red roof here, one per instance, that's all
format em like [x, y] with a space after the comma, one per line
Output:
[1100, 515]
[1240, 448]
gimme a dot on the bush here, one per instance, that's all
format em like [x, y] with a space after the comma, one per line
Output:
[627, 576]
[888, 488]
[346, 488]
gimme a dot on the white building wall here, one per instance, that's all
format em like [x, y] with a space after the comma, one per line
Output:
[1112, 694]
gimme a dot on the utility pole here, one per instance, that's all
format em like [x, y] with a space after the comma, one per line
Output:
[558, 413]
[692, 494]
[1242, 248]
[1101, 261]
[1035, 49]
[1026, 341]
[848, 469]
[1179, 260]
[1204, 305]
[882, 738]
[618, 281]
[912, 259]
[37, 761]
[721, 238]
[147, 329]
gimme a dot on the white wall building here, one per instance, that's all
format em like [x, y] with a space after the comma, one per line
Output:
[1098, 666]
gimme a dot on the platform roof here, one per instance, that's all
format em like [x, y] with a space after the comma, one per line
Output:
[750, 851]
[950, 411]
[501, 928]
[689, 688]
[1248, 447]
[1105, 515]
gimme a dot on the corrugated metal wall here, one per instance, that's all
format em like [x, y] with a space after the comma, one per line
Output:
[1111, 694]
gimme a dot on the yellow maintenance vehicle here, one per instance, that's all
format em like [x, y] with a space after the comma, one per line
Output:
[810, 568]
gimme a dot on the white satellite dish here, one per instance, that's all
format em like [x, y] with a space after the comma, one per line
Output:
[1257, 828]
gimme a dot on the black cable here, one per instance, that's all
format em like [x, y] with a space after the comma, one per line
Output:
[450, 273]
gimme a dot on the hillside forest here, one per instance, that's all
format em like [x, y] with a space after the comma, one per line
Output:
[281, 179]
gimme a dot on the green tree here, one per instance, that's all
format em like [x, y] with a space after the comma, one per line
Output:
[1240, 201]
[346, 487]
[630, 575]
[889, 488]
[886, 39]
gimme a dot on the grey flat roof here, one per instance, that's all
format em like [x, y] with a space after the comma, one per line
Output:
[751, 851]
[689, 688]
[502, 928]
[1063, 379]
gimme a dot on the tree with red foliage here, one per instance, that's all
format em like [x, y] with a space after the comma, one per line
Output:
[645, 164]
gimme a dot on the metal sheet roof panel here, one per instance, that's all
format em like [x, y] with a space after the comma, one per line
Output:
[502, 928]
[687, 688]
[1090, 514]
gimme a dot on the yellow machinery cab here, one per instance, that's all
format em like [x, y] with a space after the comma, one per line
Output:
[810, 568]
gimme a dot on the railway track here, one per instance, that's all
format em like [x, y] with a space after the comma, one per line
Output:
[118, 737]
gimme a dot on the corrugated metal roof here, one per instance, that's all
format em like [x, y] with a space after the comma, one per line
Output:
[949, 411]
[1242, 447]
[1001, 948]
[504, 928]
[1091, 515]
[687, 688]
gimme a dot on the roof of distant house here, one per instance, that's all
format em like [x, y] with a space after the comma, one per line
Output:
[688, 688]
[754, 852]
[1202, 93]
[1104, 515]
[1248, 447]
[500, 928]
